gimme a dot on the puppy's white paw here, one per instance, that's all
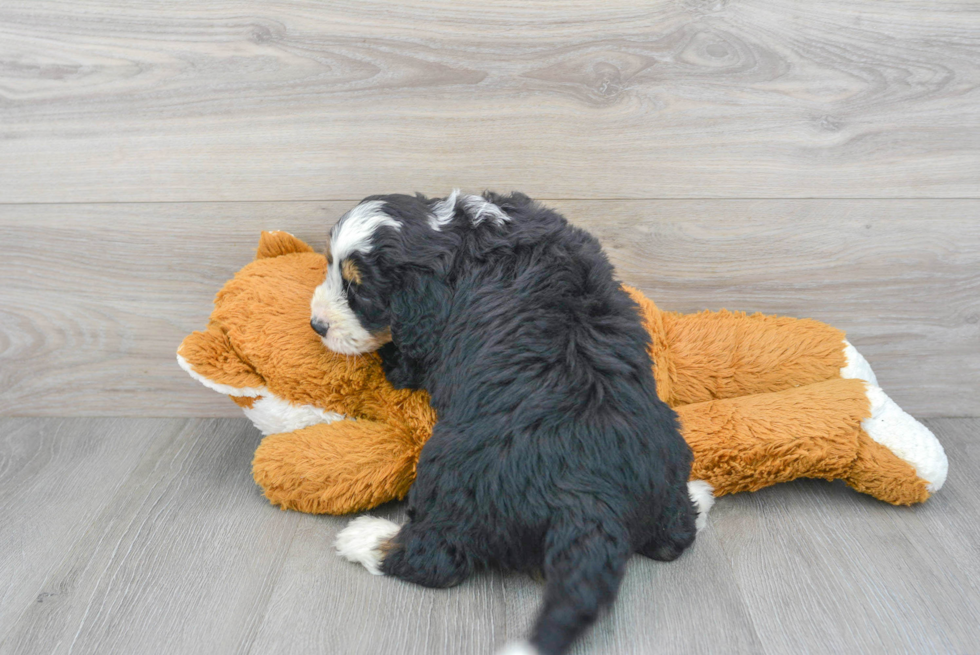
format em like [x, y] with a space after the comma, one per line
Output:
[856, 366]
[360, 542]
[893, 428]
[703, 496]
[518, 648]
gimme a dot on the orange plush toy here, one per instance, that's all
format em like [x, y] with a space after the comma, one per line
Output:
[761, 399]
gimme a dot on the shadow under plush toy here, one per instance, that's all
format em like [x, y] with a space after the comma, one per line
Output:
[761, 399]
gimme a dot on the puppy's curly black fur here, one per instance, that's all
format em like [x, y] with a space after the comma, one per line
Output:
[552, 451]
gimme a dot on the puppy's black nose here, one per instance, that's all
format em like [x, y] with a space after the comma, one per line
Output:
[319, 327]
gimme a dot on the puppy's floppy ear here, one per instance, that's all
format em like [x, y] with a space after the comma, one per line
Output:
[418, 312]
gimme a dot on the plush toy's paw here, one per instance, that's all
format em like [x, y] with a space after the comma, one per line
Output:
[913, 442]
[703, 496]
[363, 541]
[857, 367]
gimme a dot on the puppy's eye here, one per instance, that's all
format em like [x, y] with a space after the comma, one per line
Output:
[350, 272]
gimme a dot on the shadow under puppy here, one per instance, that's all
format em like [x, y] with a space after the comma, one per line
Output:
[552, 451]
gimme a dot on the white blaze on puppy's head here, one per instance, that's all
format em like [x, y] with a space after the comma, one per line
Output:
[331, 315]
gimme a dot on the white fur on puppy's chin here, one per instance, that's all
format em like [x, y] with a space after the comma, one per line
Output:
[518, 648]
[893, 428]
[360, 542]
[347, 344]
[703, 496]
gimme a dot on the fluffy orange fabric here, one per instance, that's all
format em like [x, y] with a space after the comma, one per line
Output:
[760, 398]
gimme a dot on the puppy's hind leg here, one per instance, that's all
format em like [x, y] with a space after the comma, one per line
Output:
[583, 566]
[415, 552]
[681, 518]
[365, 541]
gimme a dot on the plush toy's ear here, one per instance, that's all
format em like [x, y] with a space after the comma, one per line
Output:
[210, 359]
[274, 244]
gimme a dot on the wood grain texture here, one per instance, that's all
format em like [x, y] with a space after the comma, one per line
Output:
[390, 617]
[182, 554]
[96, 298]
[383, 615]
[112, 100]
[182, 558]
[850, 574]
[56, 477]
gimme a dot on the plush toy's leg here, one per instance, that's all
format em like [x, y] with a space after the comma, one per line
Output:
[889, 433]
[836, 429]
[336, 468]
[724, 354]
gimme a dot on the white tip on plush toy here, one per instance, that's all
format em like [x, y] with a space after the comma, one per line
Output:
[360, 542]
[703, 496]
[245, 392]
[273, 415]
[856, 367]
[518, 648]
[893, 428]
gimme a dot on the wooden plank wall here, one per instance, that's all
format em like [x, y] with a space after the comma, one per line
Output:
[811, 159]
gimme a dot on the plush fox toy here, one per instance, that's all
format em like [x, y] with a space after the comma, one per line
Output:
[761, 399]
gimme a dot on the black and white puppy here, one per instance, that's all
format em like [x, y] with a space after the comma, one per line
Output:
[552, 451]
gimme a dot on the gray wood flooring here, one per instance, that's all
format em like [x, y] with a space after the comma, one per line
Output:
[149, 536]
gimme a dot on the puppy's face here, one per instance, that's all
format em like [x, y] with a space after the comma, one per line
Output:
[349, 310]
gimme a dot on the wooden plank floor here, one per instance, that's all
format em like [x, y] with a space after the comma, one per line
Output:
[149, 536]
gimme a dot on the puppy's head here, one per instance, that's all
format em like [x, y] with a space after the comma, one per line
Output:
[385, 260]
[373, 250]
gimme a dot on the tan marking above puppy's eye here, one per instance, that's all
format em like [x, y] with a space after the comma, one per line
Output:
[329, 255]
[350, 272]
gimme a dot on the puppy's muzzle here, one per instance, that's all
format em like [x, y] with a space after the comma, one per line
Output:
[320, 327]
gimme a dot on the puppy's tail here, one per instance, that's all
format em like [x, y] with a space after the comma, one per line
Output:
[583, 567]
